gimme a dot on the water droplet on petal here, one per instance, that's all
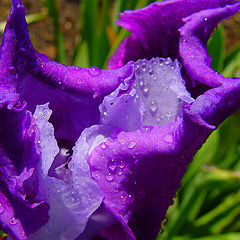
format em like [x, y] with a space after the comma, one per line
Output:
[150, 72]
[2, 208]
[109, 177]
[144, 66]
[119, 172]
[131, 144]
[153, 107]
[122, 164]
[94, 71]
[13, 221]
[205, 19]
[104, 146]
[112, 164]
[145, 90]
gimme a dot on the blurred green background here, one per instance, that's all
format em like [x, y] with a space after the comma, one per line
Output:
[84, 33]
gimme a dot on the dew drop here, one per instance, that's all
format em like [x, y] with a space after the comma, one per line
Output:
[94, 71]
[122, 164]
[131, 144]
[121, 197]
[161, 61]
[2, 209]
[112, 165]
[119, 172]
[205, 19]
[153, 107]
[104, 146]
[146, 129]
[13, 221]
[144, 66]
[145, 90]
[109, 177]
[141, 83]
[167, 61]
[150, 72]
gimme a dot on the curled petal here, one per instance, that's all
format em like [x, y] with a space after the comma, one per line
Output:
[39, 80]
[19, 57]
[155, 29]
[19, 157]
[73, 196]
[193, 43]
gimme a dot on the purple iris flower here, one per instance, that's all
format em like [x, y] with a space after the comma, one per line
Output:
[72, 139]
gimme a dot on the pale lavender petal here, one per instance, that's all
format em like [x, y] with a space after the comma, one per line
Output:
[72, 200]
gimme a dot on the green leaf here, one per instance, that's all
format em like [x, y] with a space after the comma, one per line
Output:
[88, 20]
[216, 45]
[226, 236]
[59, 39]
[31, 18]
[81, 57]
[101, 43]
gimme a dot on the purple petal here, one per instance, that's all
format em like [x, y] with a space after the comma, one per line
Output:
[150, 164]
[140, 171]
[38, 80]
[18, 57]
[193, 43]
[21, 212]
[155, 29]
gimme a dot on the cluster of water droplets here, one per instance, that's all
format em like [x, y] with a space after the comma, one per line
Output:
[116, 166]
[161, 89]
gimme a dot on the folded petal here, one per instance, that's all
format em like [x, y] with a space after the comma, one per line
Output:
[155, 29]
[139, 171]
[21, 211]
[193, 43]
[73, 196]
[17, 54]
[39, 80]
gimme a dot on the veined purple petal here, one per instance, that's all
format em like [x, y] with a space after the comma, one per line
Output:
[155, 29]
[193, 43]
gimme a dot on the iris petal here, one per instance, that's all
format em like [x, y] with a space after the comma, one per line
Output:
[193, 43]
[155, 29]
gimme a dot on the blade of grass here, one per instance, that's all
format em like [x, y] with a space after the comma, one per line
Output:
[59, 39]
[88, 21]
[216, 46]
[226, 236]
[230, 202]
[31, 18]
[81, 57]
[101, 43]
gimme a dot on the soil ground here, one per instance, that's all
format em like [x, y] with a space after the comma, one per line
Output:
[42, 36]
